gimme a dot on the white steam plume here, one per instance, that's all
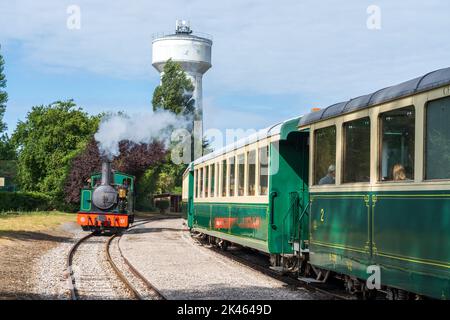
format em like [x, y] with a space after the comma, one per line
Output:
[138, 128]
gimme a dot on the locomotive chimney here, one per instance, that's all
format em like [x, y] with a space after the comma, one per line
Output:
[106, 172]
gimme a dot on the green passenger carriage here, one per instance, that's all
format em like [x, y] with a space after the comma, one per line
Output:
[359, 185]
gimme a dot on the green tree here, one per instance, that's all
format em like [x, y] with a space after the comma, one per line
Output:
[3, 94]
[7, 151]
[175, 92]
[175, 95]
[49, 138]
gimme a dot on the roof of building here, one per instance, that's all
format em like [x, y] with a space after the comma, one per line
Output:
[431, 80]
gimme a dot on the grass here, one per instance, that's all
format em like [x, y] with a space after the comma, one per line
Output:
[33, 221]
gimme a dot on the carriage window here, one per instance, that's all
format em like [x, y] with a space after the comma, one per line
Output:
[232, 175]
[437, 156]
[213, 180]
[241, 174]
[206, 169]
[196, 183]
[263, 170]
[217, 194]
[397, 144]
[224, 178]
[325, 156]
[251, 172]
[356, 162]
[200, 182]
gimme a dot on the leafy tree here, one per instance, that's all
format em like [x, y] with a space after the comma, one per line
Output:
[7, 151]
[3, 94]
[134, 159]
[175, 91]
[174, 94]
[49, 138]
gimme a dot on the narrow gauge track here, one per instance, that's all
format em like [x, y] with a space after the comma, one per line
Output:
[73, 289]
[291, 281]
[155, 293]
[74, 292]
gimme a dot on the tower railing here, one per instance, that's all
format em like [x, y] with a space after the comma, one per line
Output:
[159, 35]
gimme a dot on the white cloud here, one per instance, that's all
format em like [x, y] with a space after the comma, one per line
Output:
[321, 49]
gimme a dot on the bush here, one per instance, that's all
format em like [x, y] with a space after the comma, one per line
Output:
[24, 201]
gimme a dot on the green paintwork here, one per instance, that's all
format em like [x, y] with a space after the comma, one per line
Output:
[289, 180]
[190, 204]
[86, 193]
[85, 203]
[118, 179]
[405, 233]
[207, 215]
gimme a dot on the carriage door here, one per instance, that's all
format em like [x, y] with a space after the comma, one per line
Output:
[299, 199]
[190, 204]
[303, 224]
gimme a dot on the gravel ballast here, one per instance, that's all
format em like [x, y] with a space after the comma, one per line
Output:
[164, 252]
[94, 278]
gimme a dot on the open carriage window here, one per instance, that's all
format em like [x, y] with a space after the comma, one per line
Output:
[397, 144]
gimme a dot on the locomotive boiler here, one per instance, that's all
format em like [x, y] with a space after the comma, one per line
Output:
[107, 203]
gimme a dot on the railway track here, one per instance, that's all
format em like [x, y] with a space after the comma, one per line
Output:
[291, 281]
[155, 293]
[123, 276]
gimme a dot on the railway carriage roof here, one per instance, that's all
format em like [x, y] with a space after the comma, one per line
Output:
[257, 136]
[432, 80]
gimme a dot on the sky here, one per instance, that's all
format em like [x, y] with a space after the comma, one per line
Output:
[272, 60]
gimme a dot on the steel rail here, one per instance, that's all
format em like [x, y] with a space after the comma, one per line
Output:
[71, 281]
[119, 273]
[292, 282]
[139, 275]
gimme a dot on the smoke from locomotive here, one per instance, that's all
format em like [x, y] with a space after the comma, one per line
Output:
[138, 128]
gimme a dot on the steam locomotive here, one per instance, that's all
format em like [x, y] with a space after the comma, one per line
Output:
[107, 204]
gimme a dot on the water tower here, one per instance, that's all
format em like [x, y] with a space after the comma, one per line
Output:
[191, 50]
